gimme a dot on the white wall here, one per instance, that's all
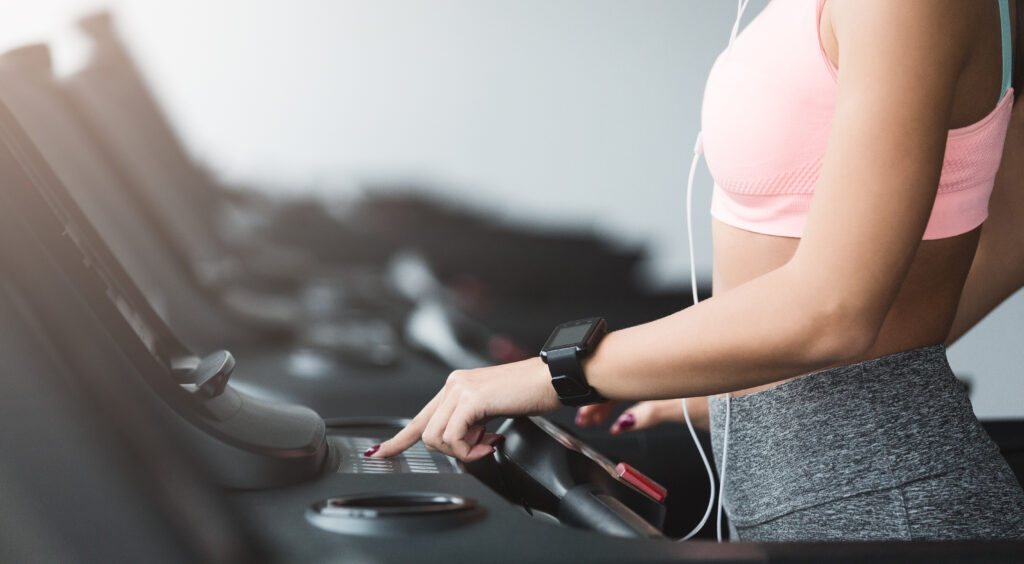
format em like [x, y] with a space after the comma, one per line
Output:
[992, 356]
[578, 112]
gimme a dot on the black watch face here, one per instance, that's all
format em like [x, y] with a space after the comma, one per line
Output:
[574, 333]
[566, 336]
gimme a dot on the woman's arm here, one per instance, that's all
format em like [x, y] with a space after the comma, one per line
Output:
[998, 268]
[996, 274]
[900, 62]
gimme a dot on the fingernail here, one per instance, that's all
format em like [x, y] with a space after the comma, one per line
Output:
[579, 419]
[495, 441]
[371, 451]
[625, 421]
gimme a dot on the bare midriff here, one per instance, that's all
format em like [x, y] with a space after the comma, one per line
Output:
[921, 315]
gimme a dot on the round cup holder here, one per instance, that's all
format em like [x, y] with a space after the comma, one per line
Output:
[393, 513]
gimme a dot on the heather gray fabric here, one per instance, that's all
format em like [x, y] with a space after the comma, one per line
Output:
[886, 449]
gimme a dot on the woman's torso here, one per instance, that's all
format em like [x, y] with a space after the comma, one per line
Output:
[927, 301]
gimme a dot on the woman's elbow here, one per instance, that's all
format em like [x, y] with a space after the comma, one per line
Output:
[840, 334]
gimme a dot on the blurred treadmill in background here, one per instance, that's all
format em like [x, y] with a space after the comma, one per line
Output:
[197, 311]
[515, 281]
[116, 101]
[315, 309]
[275, 368]
[193, 213]
[114, 98]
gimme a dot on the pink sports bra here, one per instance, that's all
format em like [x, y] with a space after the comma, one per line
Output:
[768, 108]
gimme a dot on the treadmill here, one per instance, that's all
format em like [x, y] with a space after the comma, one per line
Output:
[180, 202]
[270, 369]
[114, 99]
[275, 481]
[98, 322]
[277, 367]
[515, 283]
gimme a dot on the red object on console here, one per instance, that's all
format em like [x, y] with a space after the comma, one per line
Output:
[641, 482]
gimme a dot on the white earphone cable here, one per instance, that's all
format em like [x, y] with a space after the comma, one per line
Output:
[711, 476]
[698, 149]
[741, 6]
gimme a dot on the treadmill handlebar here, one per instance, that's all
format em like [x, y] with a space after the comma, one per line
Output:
[210, 376]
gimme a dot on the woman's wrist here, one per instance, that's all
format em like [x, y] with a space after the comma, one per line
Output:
[540, 382]
[596, 366]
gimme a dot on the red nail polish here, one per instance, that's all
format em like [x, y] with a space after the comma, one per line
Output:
[371, 451]
[626, 421]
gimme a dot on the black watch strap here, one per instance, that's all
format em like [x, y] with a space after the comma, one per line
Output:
[568, 379]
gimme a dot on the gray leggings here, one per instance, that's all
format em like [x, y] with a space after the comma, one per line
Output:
[885, 449]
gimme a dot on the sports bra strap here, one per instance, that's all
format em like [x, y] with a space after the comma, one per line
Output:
[1004, 23]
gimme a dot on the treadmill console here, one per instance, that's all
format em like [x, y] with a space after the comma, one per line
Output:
[553, 474]
[350, 440]
[540, 467]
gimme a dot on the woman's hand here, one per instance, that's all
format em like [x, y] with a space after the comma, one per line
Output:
[648, 414]
[640, 416]
[645, 414]
[595, 414]
[453, 422]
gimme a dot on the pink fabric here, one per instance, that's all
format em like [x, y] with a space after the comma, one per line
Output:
[768, 108]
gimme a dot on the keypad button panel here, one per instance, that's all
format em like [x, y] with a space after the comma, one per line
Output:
[416, 460]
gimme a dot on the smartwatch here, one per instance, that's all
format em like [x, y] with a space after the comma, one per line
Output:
[568, 344]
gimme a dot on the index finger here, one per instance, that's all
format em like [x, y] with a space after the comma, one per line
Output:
[593, 414]
[409, 435]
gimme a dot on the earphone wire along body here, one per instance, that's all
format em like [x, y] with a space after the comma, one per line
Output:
[698, 150]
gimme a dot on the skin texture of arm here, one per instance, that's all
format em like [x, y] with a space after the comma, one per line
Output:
[823, 307]
[998, 268]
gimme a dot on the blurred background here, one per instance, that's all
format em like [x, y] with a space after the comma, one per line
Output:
[566, 116]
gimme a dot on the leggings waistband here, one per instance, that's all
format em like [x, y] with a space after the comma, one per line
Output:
[846, 430]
